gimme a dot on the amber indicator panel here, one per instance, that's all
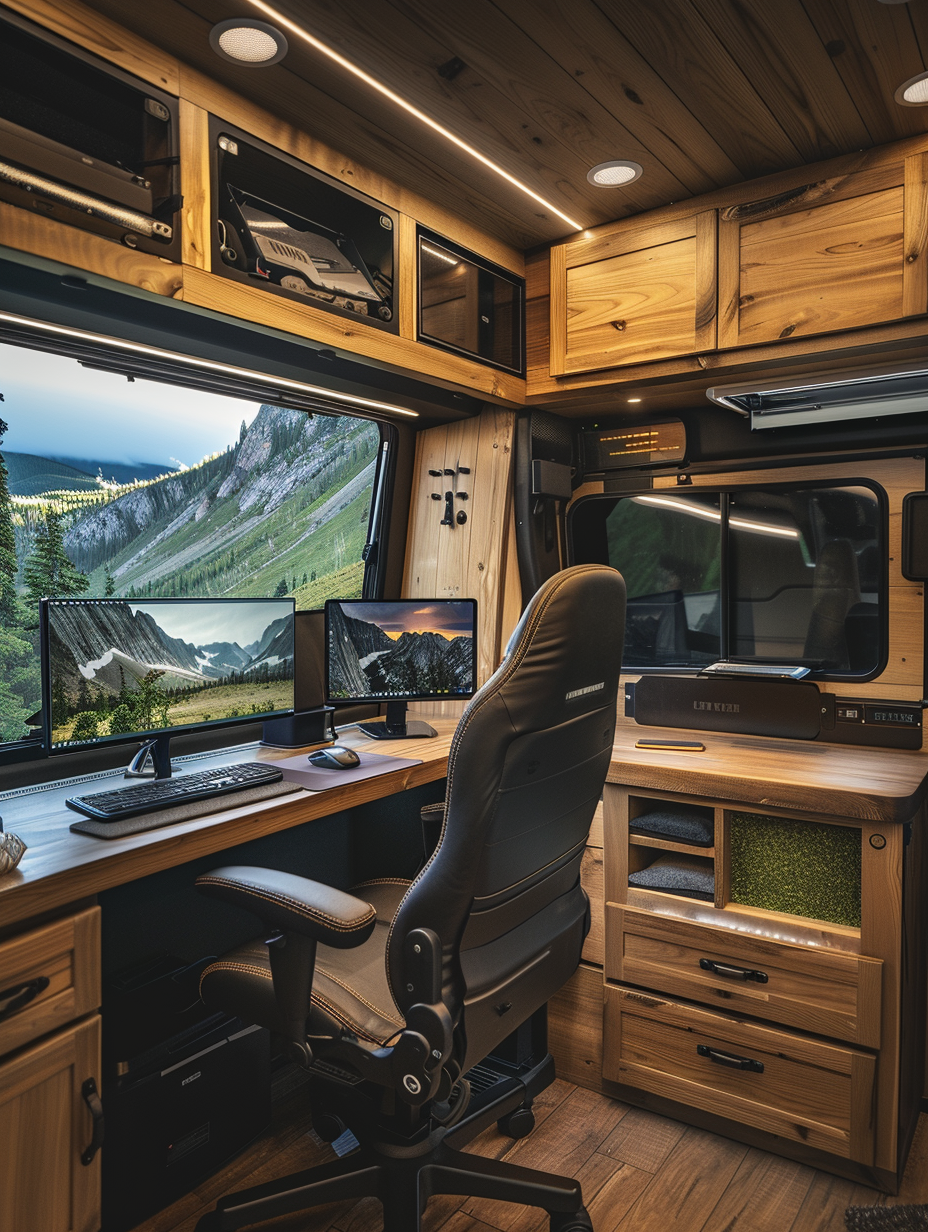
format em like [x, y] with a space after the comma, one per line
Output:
[637, 445]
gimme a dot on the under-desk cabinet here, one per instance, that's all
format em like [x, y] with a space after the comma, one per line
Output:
[50, 976]
[757, 975]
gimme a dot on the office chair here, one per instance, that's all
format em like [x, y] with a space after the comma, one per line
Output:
[391, 994]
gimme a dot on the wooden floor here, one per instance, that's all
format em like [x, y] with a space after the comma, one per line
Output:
[639, 1172]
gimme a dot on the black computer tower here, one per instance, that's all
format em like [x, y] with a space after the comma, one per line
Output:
[184, 1089]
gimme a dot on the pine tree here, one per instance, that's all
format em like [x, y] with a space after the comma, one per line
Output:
[109, 584]
[8, 606]
[49, 571]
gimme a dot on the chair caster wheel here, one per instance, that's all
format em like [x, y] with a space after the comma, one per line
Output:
[517, 1124]
[578, 1222]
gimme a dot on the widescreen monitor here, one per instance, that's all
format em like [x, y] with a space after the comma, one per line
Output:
[119, 670]
[399, 651]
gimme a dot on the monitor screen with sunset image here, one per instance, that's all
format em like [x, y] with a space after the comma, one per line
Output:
[400, 649]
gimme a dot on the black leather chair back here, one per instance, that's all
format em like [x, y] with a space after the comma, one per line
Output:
[525, 773]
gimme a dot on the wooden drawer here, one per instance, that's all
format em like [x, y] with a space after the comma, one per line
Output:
[802, 1089]
[45, 1126]
[66, 954]
[828, 992]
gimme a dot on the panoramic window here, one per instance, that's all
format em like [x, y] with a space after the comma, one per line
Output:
[139, 490]
[778, 574]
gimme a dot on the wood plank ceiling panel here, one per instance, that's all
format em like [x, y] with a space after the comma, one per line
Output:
[792, 70]
[539, 135]
[874, 48]
[586, 45]
[703, 93]
[392, 145]
[678, 43]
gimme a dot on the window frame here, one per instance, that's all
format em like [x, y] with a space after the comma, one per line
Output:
[724, 491]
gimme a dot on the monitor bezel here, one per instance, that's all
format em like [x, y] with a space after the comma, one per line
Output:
[380, 699]
[137, 737]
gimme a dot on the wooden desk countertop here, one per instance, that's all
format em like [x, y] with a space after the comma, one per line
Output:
[60, 867]
[866, 784]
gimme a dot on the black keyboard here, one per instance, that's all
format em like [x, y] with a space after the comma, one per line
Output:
[165, 793]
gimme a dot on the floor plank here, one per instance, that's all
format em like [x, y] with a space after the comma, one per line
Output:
[640, 1173]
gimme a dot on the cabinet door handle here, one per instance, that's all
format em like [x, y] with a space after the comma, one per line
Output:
[21, 994]
[730, 1059]
[94, 1103]
[733, 973]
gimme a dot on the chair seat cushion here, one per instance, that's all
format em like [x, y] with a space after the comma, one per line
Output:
[350, 987]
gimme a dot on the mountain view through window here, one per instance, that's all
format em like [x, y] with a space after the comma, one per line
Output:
[136, 489]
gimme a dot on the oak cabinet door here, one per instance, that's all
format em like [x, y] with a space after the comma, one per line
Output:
[641, 293]
[840, 253]
[45, 1126]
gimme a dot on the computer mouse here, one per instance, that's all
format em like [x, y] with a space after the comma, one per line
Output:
[335, 758]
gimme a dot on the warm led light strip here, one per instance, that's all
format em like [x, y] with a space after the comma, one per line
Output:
[207, 365]
[279, 19]
[762, 528]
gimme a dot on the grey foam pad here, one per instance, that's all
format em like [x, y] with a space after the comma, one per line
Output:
[181, 812]
[677, 874]
[680, 822]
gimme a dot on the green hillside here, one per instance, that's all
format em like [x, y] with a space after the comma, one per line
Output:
[31, 475]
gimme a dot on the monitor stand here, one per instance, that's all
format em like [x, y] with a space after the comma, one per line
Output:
[153, 760]
[395, 726]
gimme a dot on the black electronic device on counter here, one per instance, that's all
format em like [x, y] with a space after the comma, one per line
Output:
[186, 1089]
[787, 709]
[86, 144]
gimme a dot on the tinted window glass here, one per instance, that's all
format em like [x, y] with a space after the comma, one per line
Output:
[805, 577]
[668, 550]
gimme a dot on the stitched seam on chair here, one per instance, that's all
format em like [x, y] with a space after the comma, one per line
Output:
[231, 966]
[518, 655]
[403, 881]
[291, 904]
[357, 996]
[343, 1018]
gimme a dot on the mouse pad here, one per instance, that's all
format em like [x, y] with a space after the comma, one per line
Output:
[317, 778]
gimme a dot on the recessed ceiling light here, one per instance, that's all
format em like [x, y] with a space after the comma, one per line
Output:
[914, 92]
[614, 174]
[248, 43]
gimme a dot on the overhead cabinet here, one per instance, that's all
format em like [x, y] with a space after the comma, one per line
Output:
[788, 257]
[644, 292]
[835, 254]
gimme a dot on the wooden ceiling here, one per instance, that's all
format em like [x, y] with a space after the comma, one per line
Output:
[702, 93]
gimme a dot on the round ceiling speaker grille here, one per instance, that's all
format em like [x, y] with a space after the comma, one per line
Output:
[615, 173]
[250, 44]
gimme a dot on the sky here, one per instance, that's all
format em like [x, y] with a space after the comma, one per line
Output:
[450, 619]
[220, 620]
[54, 407]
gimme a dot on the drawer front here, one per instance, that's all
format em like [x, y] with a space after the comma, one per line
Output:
[48, 977]
[786, 1084]
[827, 992]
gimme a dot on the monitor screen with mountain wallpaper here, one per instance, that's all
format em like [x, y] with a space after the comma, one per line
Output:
[398, 651]
[142, 491]
[117, 669]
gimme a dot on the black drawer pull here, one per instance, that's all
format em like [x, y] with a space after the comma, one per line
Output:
[94, 1103]
[729, 1059]
[733, 973]
[21, 994]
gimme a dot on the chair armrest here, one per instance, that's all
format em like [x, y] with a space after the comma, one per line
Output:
[293, 904]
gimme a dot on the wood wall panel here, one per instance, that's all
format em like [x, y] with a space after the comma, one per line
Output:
[472, 561]
[575, 1028]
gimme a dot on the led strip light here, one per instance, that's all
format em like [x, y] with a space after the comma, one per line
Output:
[204, 365]
[278, 19]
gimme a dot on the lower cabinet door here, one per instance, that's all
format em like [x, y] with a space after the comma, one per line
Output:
[45, 1126]
[803, 1089]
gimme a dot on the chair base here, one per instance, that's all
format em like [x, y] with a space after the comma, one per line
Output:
[403, 1186]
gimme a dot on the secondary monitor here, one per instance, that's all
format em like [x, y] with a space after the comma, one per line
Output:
[399, 651]
[120, 670]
